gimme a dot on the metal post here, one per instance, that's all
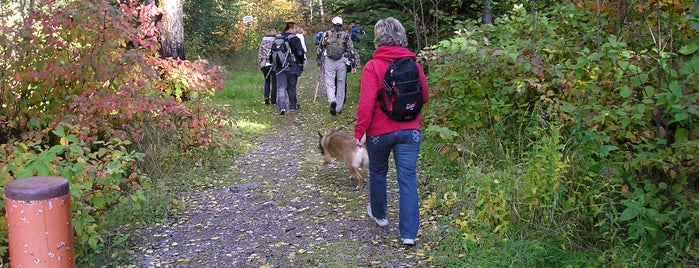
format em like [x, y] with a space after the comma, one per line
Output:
[40, 232]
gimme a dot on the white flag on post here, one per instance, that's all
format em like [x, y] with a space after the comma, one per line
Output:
[247, 19]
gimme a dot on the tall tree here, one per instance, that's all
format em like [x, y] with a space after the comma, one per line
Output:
[172, 31]
[320, 5]
[487, 12]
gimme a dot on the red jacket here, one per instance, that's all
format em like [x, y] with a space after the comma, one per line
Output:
[370, 119]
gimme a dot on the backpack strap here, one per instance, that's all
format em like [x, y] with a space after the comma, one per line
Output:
[388, 85]
[288, 43]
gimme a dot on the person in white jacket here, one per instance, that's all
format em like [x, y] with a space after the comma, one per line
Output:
[299, 34]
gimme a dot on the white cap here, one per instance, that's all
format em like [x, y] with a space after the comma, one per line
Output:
[337, 20]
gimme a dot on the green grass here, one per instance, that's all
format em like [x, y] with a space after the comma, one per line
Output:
[461, 199]
[172, 170]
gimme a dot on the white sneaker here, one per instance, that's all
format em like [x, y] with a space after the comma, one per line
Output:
[379, 222]
[408, 242]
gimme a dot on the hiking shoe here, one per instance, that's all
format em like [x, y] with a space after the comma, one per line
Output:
[332, 108]
[282, 111]
[408, 242]
[266, 101]
[379, 222]
[295, 108]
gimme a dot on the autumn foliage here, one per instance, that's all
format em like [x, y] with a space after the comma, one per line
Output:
[79, 82]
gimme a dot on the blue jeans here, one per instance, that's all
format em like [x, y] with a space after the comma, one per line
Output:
[286, 86]
[405, 145]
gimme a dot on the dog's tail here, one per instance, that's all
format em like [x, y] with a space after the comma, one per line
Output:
[365, 154]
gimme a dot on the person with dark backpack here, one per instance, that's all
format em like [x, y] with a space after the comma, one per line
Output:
[401, 96]
[287, 56]
[392, 77]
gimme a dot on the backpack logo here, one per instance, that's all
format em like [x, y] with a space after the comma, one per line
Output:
[411, 106]
[336, 44]
[401, 96]
[280, 53]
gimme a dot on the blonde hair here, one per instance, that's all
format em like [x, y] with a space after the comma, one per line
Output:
[390, 31]
[271, 32]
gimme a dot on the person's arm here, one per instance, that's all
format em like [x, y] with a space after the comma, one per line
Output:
[353, 55]
[321, 51]
[367, 100]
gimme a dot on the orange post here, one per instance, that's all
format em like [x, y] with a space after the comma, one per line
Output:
[39, 225]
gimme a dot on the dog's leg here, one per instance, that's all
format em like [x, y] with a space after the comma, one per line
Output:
[327, 159]
[364, 165]
[357, 176]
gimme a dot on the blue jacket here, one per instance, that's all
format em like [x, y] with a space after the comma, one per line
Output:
[319, 35]
[356, 32]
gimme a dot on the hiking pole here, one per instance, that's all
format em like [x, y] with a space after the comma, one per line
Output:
[317, 86]
[321, 76]
[318, 81]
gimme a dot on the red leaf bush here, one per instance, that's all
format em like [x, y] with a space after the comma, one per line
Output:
[82, 77]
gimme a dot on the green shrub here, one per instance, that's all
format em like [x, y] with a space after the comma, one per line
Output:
[598, 136]
[99, 178]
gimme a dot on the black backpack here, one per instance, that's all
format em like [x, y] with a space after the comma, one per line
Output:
[401, 95]
[280, 54]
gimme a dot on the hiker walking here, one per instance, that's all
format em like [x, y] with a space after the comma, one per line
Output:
[336, 45]
[356, 32]
[319, 35]
[270, 88]
[385, 135]
[289, 69]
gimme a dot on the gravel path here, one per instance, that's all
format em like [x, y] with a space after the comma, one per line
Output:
[287, 211]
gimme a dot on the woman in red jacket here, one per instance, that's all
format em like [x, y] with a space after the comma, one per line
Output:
[385, 135]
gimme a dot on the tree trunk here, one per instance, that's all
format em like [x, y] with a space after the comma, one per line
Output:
[322, 16]
[172, 31]
[487, 12]
[310, 7]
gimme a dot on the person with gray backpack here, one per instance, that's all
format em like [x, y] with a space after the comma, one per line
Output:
[287, 56]
[337, 48]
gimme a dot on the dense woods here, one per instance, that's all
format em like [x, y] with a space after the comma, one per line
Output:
[569, 123]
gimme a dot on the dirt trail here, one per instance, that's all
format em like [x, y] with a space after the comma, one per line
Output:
[287, 211]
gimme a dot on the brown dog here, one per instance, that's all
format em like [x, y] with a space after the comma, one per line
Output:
[341, 146]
